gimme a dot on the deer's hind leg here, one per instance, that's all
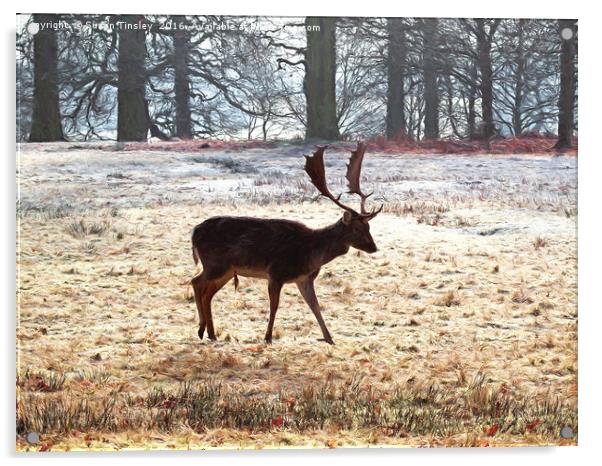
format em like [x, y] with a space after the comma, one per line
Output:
[197, 286]
[205, 286]
[212, 287]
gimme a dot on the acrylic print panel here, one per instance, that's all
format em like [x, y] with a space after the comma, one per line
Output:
[187, 279]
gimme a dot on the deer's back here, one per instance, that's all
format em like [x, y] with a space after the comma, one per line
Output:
[253, 243]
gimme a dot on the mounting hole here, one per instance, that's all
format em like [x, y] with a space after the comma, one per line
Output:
[33, 28]
[566, 33]
[33, 438]
[566, 432]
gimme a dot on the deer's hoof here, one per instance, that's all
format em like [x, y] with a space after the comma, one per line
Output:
[330, 341]
[201, 332]
[268, 341]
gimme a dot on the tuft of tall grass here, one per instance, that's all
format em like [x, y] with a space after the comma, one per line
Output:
[82, 228]
[412, 409]
[520, 296]
[94, 375]
[42, 211]
[449, 299]
[64, 414]
[540, 242]
[416, 208]
[233, 165]
[41, 382]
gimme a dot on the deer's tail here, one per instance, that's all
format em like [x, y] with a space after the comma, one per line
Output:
[195, 255]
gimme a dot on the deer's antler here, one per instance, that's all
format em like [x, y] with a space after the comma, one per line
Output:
[314, 166]
[354, 172]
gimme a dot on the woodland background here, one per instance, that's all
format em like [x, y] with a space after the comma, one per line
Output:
[211, 77]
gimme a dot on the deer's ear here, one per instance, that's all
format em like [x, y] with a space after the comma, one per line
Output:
[347, 217]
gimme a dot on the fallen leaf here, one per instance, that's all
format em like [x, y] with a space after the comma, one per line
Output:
[531, 426]
[331, 443]
[277, 421]
[46, 446]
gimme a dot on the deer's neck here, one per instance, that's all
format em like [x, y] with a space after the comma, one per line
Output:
[331, 242]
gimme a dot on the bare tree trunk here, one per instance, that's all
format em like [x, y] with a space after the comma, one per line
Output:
[517, 122]
[319, 83]
[472, 97]
[264, 125]
[182, 80]
[132, 117]
[419, 121]
[429, 73]
[566, 101]
[396, 120]
[450, 106]
[485, 68]
[46, 124]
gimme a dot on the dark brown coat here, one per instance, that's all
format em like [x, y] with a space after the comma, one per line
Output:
[281, 251]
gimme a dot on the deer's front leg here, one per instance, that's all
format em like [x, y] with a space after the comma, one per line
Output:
[306, 287]
[274, 287]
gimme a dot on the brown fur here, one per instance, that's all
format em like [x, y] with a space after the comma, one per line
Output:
[281, 251]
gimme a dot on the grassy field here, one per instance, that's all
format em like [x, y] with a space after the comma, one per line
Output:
[460, 331]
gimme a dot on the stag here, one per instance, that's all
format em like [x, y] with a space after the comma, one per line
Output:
[280, 251]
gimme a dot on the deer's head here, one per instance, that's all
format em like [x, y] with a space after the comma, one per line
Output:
[356, 224]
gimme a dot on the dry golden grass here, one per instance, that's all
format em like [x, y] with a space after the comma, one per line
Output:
[107, 318]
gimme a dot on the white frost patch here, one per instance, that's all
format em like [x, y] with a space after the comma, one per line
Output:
[516, 194]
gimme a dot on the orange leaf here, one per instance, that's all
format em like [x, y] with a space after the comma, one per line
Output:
[290, 401]
[277, 421]
[46, 446]
[531, 426]
[331, 443]
[88, 440]
[491, 431]
[168, 403]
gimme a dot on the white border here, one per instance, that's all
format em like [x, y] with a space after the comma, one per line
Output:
[590, 262]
